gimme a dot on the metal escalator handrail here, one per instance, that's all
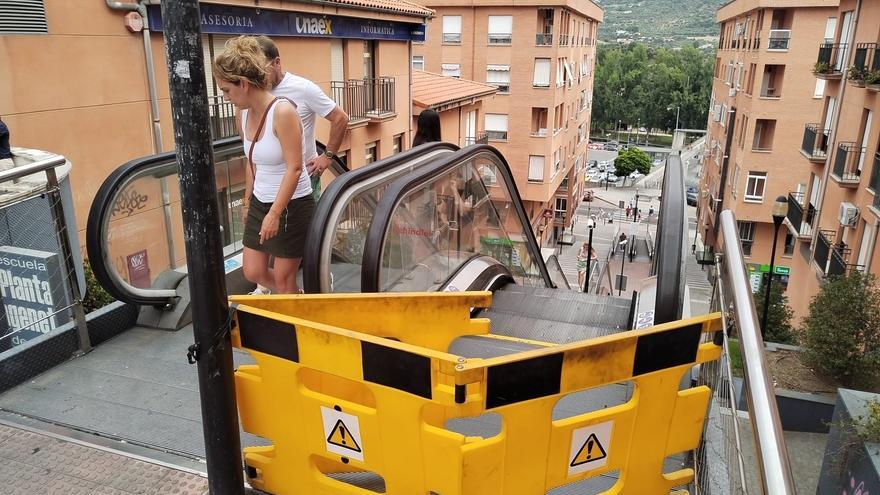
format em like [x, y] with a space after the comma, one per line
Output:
[395, 193]
[332, 195]
[555, 260]
[670, 248]
[102, 207]
[490, 278]
[770, 444]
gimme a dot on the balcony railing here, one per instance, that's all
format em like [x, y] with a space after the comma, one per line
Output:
[837, 265]
[823, 249]
[563, 40]
[866, 57]
[875, 176]
[364, 99]
[778, 39]
[500, 38]
[480, 138]
[544, 39]
[221, 118]
[801, 221]
[846, 164]
[831, 60]
[815, 143]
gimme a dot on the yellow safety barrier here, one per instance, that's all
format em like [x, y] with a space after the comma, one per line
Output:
[362, 383]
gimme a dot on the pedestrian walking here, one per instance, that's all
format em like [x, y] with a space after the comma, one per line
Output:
[628, 211]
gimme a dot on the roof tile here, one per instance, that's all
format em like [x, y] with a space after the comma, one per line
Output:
[399, 6]
[433, 90]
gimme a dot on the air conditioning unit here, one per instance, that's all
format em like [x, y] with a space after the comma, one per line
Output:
[848, 215]
[732, 91]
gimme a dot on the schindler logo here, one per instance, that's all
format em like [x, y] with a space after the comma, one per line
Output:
[227, 20]
[313, 25]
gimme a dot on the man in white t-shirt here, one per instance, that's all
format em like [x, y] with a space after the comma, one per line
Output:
[310, 101]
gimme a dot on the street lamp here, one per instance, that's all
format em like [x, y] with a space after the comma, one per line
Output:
[590, 225]
[780, 210]
[636, 211]
[677, 109]
[618, 131]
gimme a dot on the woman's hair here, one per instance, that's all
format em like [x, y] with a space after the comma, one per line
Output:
[242, 59]
[428, 127]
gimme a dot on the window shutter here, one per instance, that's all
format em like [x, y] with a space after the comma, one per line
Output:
[452, 24]
[498, 74]
[23, 17]
[542, 72]
[536, 168]
[496, 122]
[500, 24]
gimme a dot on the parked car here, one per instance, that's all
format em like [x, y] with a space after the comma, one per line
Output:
[592, 164]
[611, 147]
[612, 178]
[636, 175]
[691, 196]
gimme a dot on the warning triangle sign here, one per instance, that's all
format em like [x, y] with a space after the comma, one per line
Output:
[342, 437]
[590, 451]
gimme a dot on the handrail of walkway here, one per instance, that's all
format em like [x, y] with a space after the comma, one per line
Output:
[770, 445]
[670, 249]
[32, 168]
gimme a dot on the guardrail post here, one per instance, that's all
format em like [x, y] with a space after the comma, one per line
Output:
[204, 251]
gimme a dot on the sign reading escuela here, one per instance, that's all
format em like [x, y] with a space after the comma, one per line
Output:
[31, 289]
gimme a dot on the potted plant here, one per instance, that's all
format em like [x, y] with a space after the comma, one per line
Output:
[822, 68]
[856, 75]
[872, 79]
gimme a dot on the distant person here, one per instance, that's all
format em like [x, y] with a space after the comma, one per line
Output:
[278, 202]
[586, 254]
[5, 150]
[427, 128]
[621, 241]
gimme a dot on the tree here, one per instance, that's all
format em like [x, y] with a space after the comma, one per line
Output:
[630, 160]
[842, 331]
[778, 316]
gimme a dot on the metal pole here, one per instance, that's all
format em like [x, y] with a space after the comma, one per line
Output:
[770, 277]
[636, 211]
[677, 109]
[622, 262]
[589, 257]
[204, 250]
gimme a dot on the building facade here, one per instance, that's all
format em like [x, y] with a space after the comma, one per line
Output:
[458, 101]
[540, 55]
[839, 213]
[90, 82]
[762, 101]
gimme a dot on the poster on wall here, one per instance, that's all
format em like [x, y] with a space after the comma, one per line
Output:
[32, 289]
[138, 269]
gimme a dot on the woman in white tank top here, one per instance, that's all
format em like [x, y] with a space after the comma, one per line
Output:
[278, 203]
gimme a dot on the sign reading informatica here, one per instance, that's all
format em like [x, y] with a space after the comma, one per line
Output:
[222, 19]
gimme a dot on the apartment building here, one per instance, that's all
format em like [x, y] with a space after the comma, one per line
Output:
[458, 101]
[763, 99]
[90, 82]
[838, 215]
[540, 56]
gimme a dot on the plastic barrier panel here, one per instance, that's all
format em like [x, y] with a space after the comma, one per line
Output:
[353, 391]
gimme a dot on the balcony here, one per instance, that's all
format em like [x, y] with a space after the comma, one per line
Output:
[837, 264]
[480, 138]
[815, 143]
[866, 66]
[544, 39]
[800, 222]
[365, 100]
[824, 241]
[221, 118]
[778, 39]
[830, 62]
[846, 164]
[563, 40]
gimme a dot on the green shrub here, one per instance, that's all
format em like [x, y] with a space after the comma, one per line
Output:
[96, 296]
[822, 68]
[842, 330]
[778, 317]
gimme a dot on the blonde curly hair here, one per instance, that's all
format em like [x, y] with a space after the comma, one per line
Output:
[242, 59]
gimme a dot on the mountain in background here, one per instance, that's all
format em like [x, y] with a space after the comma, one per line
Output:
[660, 22]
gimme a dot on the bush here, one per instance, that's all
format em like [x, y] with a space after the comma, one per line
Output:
[778, 316]
[630, 160]
[842, 331]
[96, 296]
[822, 68]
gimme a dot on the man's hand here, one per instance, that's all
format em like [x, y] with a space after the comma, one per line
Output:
[318, 164]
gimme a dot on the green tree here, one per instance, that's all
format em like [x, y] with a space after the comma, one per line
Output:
[842, 330]
[96, 296]
[778, 316]
[630, 160]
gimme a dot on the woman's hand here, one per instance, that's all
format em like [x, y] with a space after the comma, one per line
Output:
[269, 228]
[244, 213]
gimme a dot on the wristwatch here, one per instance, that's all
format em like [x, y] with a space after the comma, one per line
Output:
[329, 154]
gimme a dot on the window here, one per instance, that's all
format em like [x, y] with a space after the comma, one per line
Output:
[771, 84]
[536, 168]
[499, 76]
[542, 73]
[500, 29]
[23, 17]
[398, 144]
[418, 62]
[789, 245]
[585, 65]
[489, 175]
[561, 207]
[496, 126]
[451, 70]
[755, 186]
[820, 88]
[764, 131]
[557, 160]
[452, 29]
[371, 151]
[746, 236]
[735, 182]
[539, 122]
[560, 72]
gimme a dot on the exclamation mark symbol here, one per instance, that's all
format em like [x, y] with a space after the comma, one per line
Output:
[590, 449]
[342, 432]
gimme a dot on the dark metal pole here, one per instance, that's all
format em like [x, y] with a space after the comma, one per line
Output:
[589, 257]
[776, 225]
[204, 250]
[622, 262]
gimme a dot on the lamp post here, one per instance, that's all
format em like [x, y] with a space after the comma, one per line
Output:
[677, 109]
[622, 262]
[618, 131]
[780, 210]
[636, 211]
[590, 225]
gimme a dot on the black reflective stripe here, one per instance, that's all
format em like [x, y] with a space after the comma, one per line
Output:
[668, 349]
[523, 380]
[398, 369]
[268, 336]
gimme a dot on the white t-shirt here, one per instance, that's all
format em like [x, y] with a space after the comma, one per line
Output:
[310, 100]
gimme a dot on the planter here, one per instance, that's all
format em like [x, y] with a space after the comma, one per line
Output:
[874, 87]
[798, 411]
[859, 83]
[851, 466]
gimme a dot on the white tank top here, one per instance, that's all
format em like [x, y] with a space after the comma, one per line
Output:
[269, 161]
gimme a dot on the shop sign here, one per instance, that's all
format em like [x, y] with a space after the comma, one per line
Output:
[139, 269]
[224, 19]
[778, 270]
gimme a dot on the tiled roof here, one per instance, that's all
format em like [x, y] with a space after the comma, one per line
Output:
[433, 90]
[398, 6]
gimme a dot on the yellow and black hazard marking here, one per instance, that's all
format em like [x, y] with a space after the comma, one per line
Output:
[342, 437]
[590, 451]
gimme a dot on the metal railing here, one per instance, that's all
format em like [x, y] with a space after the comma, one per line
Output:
[365, 98]
[847, 161]
[221, 118]
[481, 138]
[824, 241]
[815, 142]
[563, 40]
[834, 55]
[837, 264]
[778, 39]
[543, 39]
[732, 295]
[800, 220]
[874, 183]
[866, 57]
